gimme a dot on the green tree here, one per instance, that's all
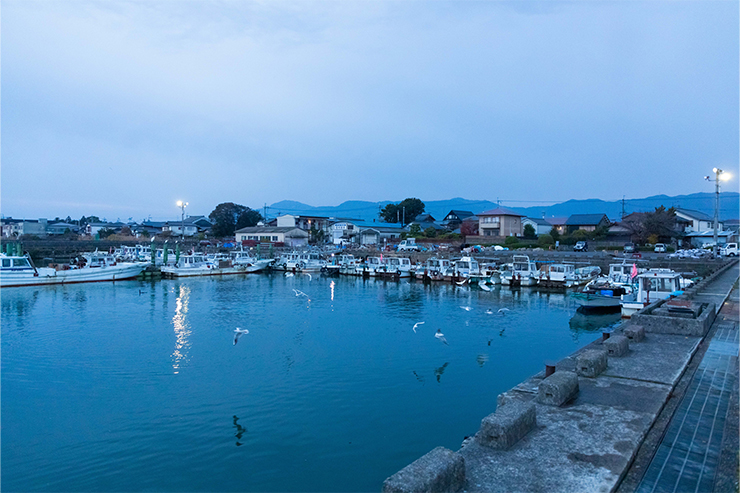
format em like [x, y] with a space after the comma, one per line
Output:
[545, 240]
[430, 232]
[415, 230]
[529, 231]
[405, 211]
[105, 233]
[227, 217]
[554, 233]
[511, 240]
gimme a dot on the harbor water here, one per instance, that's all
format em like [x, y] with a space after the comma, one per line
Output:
[138, 386]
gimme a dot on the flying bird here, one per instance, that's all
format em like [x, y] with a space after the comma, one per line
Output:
[483, 286]
[309, 277]
[439, 335]
[503, 311]
[238, 333]
[300, 293]
[416, 325]
[461, 283]
[466, 308]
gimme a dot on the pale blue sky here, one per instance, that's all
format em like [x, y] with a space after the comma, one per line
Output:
[121, 108]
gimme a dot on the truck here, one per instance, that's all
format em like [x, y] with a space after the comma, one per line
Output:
[729, 250]
[408, 245]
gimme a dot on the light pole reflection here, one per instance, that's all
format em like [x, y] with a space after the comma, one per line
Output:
[181, 327]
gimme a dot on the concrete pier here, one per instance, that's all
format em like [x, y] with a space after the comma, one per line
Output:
[590, 441]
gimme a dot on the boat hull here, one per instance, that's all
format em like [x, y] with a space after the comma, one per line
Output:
[48, 276]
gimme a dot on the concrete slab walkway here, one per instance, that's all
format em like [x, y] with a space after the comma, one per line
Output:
[688, 457]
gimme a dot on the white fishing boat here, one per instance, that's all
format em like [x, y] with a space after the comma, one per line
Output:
[398, 267]
[371, 267]
[240, 258]
[523, 272]
[92, 267]
[462, 269]
[652, 285]
[566, 275]
[433, 268]
[305, 262]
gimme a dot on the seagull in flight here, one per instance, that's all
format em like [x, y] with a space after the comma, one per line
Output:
[503, 311]
[439, 335]
[300, 293]
[416, 325]
[466, 308]
[483, 286]
[309, 277]
[461, 283]
[238, 333]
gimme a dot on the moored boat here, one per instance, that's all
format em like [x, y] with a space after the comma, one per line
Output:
[651, 286]
[18, 270]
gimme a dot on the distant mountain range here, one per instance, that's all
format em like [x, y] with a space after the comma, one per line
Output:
[357, 209]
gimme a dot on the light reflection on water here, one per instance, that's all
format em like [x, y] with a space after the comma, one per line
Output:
[182, 330]
[332, 394]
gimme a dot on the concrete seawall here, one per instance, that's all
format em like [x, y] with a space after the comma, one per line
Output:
[580, 428]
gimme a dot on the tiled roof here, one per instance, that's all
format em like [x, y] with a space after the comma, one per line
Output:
[500, 211]
[585, 219]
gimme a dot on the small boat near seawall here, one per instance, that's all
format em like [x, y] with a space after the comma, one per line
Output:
[94, 267]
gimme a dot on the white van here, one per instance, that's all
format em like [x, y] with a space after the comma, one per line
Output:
[729, 250]
[408, 245]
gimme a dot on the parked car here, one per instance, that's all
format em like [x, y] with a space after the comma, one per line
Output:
[629, 248]
[581, 246]
[660, 248]
[729, 250]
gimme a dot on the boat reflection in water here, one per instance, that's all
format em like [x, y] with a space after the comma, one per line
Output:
[592, 322]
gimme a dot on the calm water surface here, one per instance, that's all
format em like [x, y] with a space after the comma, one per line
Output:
[137, 386]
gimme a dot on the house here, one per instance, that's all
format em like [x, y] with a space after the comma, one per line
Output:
[289, 235]
[18, 227]
[306, 223]
[691, 221]
[454, 218]
[60, 228]
[92, 229]
[586, 222]
[153, 228]
[540, 225]
[558, 223]
[698, 239]
[500, 222]
[365, 233]
[424, 218]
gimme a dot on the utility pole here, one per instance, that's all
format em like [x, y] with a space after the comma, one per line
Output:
[622, 207]
[404, 216]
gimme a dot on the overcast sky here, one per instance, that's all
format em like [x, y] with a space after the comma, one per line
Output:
[119, 109]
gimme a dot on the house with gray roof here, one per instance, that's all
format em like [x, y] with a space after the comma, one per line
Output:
[540, 225]
[695, 221]
[500, 221]
[586, 222]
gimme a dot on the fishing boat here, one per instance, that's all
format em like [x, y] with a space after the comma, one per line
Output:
[566, 275]
[16, 270]
[370, 267]
[523, 272]
[652, 285]
[397, 267]
[601, 295]
[462, 269]
[432, 269]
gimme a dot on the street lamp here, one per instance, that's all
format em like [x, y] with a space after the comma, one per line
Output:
[182, 206]
[719, 175]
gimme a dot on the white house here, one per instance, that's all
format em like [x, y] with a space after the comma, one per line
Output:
[695, 221]
[290, 236]
[364, 232]
[540, 225]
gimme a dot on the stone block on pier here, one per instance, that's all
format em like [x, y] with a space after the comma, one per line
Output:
[439, 470]
[635, 333]
[558, 388]
[591, 363]
[507, 425]
[617, 346]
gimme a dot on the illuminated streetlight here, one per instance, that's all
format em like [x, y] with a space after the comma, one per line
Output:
[719, 175]
[182, 206]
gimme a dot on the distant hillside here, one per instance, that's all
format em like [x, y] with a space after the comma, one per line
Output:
[704, 202]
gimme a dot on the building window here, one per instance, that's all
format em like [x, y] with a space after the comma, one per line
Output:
[274, 238]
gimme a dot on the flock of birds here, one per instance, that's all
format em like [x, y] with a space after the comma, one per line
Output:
[438, 335]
